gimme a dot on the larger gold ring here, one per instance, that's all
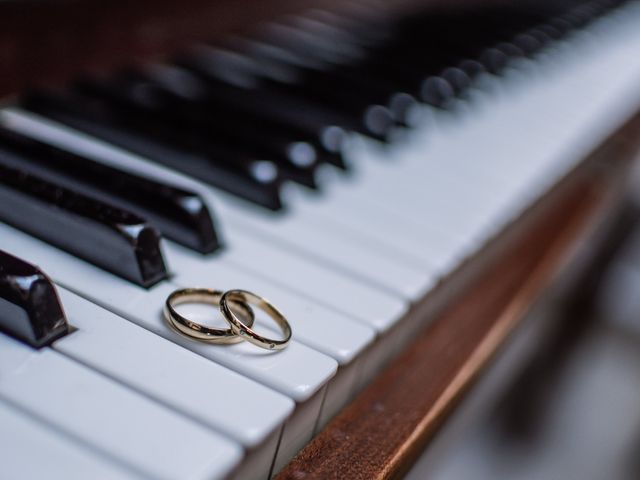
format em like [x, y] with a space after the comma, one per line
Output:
[202, 332]
[233, 297]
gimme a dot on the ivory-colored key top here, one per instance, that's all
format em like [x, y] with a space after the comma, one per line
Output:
[31, 449]
[140, 433]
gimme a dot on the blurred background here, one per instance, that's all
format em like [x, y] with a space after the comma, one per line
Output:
[573, 410]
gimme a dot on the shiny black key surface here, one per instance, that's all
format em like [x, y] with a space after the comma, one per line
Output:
[104, 235]
[338, 92]
[352, 113]
[183, 90]
[179, 214]
[327, 82]
[252, 178]
[296, 158]
[327, 130]
[30, 309]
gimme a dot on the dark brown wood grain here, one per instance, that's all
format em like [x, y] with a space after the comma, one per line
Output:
[388, 425]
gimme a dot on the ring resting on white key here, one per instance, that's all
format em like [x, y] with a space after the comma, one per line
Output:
[243, 330]
[202, 332]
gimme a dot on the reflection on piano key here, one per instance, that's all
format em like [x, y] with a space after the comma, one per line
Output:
[150, 439]
[291, 268]
[374, 120]
[172, 375]
[250, 177]
[32, 449]
[280, 371]
[106, 236]
[145, 307]
[179, 214]
[29, 306]
[296, 158]
[299, 120]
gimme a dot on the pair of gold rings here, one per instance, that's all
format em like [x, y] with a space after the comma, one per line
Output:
[235, 307]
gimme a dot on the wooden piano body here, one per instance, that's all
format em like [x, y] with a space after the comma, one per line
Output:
[453, 336]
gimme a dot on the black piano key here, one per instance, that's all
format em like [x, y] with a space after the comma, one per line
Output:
[331, 81]
[297, 158]
[528, 43]
[473, 68]
[511, 50]
[106, 236]
[437, 91]
[179, 214]
[253, 179]
[551, 31]
[367, 30]
[494, 59]
[403, 66]
[327, 73]
[457, 78]
[407, 77]
[30, 309]
[308, 43]
[433, 44]
[338, 29]
[349, 93]
[293, 121]
[374, 120]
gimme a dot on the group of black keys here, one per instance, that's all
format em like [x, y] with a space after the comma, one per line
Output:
[243, 115]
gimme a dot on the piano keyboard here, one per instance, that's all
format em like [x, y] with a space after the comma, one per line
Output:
[341, 171]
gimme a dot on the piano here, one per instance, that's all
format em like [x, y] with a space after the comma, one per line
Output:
[405, 182]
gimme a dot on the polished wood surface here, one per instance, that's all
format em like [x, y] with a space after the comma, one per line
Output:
[389, 424]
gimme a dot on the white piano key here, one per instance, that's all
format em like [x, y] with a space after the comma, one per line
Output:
[145, 435]
[545, 117]
[334, 247]
[374, 307]
[435, 251]
[33, 450]
[319, 327]
[278, 370]
[297, 371]
[379, 307]
[171, 374]
[318, 324]
[298, 431]
[323, 329]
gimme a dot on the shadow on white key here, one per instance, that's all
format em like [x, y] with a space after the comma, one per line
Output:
[279, 370]
[386, 298]
[31, 449]
[317, 326]
[178, 378]
[142, 434]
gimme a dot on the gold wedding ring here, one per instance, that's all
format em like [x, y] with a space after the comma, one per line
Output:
[202, 332]
[243, 330]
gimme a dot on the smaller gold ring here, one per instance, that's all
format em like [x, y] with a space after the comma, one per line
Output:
[233, 297]
[196, 330]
